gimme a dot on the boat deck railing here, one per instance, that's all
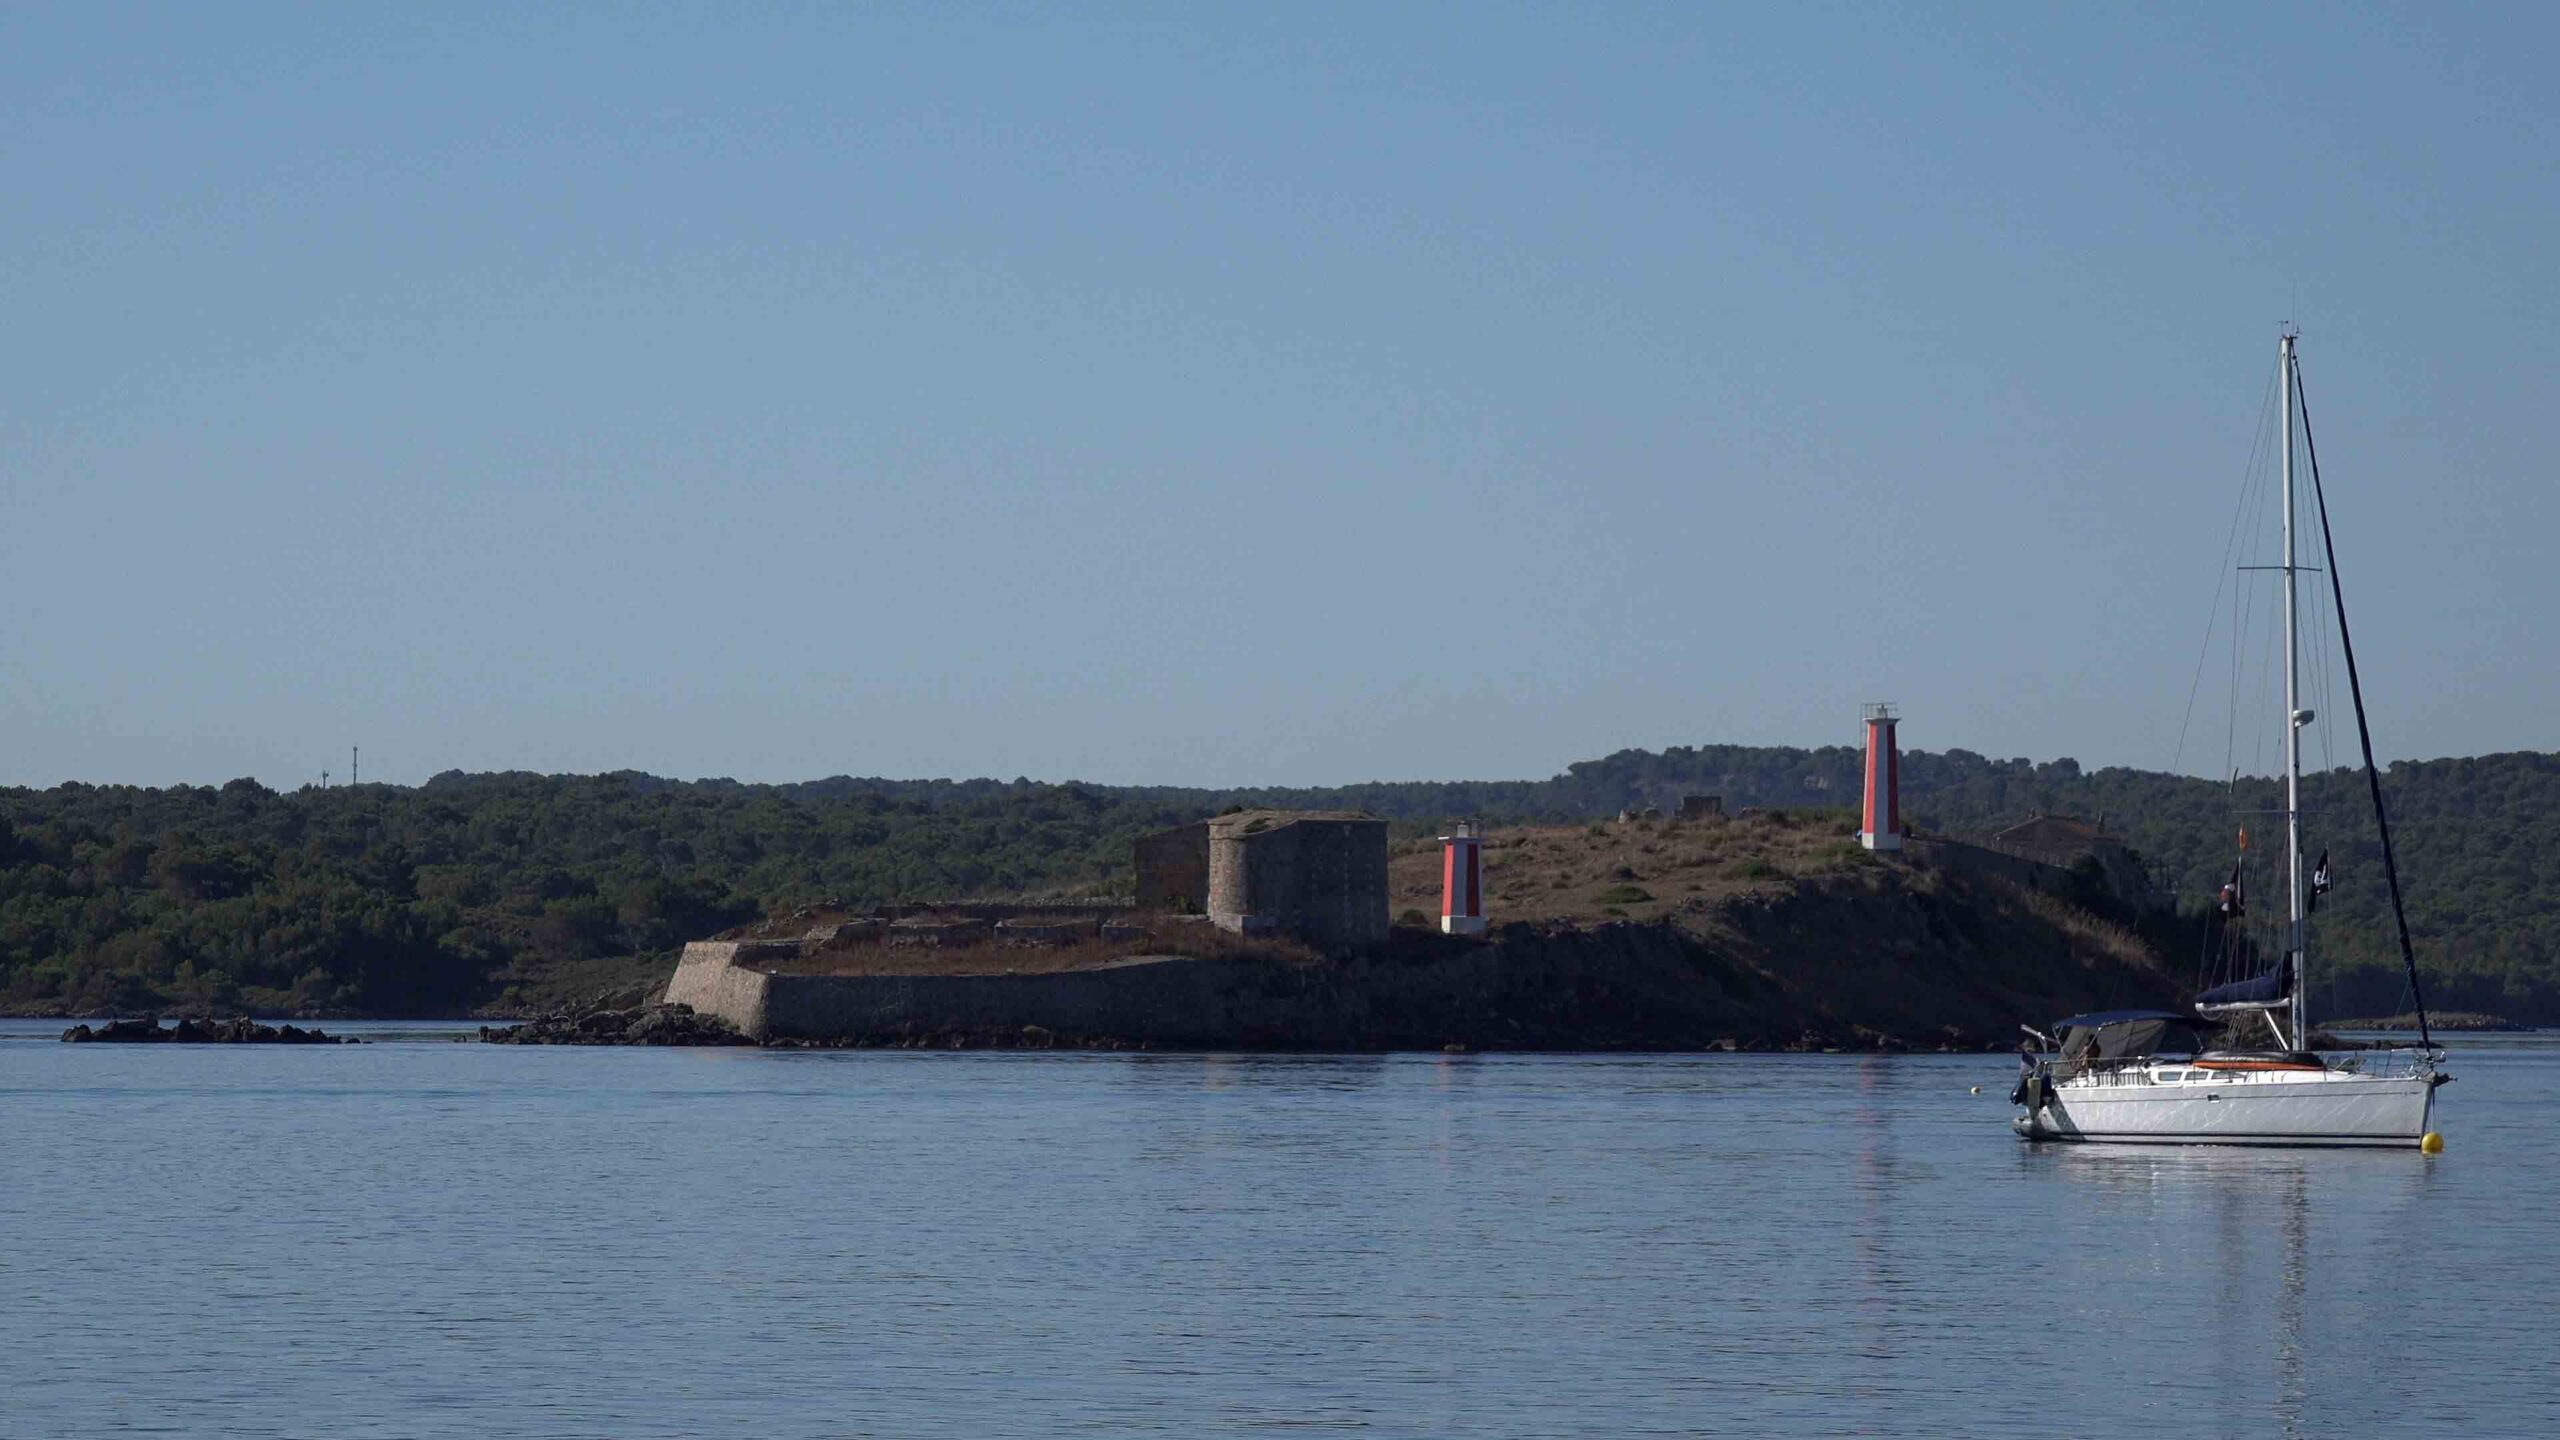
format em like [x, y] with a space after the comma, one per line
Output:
[2400, 1062]
[2395, 1064]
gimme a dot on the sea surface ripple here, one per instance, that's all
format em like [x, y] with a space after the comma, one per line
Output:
[417, 1237]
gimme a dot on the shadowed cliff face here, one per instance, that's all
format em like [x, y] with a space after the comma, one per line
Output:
[1922, 954]
[1883, 958]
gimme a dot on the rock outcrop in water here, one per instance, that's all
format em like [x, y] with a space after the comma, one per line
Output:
[647, 1025]
[241, 1031]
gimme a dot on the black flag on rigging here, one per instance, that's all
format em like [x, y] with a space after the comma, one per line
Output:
[2319, 880]
[2230, 905]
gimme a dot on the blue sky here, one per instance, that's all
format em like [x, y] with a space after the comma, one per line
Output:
[1284, 394]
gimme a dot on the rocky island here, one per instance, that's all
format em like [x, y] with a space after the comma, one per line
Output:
[1770, 930]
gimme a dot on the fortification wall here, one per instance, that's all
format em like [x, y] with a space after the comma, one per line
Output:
[1227, 903]
[1161, 1000]
[1048, 930]
[716, 977]
[1969, 859]
[994, 910]
[2123, 873]
[1158, 1000]
[1173, 869]
[1321, 879]
[937, 931]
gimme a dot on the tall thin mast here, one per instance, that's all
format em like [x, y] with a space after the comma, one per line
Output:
[2295, 941]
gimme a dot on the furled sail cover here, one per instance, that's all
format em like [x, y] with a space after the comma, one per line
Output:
[2115, 1034]
[2262, 990]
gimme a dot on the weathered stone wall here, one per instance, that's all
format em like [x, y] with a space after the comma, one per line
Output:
[1145, 1000]
[1320, 878]
[994, 910]
[1969, 859]
[1156, 1000]
[1633, 985]
[937, 931]
[1047, 930]
[1173, 868]
[716, 977]
[865, 930]
[1227, 902]
[2124, 876]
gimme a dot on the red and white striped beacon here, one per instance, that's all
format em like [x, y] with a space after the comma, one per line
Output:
[1881, 829]
[1462, 882]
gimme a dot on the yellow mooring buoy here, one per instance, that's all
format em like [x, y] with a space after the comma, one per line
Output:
[2431, 1144]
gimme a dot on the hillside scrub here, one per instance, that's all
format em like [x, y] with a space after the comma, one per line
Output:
[487, 892]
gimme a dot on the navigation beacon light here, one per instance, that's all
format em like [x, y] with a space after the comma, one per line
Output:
[1462, 882]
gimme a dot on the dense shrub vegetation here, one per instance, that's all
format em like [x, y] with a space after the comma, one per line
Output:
[385, 900]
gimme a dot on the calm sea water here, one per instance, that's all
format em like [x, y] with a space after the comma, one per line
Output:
[415, 1238]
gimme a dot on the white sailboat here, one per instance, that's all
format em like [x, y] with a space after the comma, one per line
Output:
[2111, 1077]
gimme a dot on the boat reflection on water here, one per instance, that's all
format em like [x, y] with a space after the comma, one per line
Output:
[2302, 1265]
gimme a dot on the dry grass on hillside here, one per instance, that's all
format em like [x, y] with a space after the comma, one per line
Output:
[2087, 932]
[1635, 870]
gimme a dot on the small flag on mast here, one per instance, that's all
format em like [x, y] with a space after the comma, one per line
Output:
[2319, 880]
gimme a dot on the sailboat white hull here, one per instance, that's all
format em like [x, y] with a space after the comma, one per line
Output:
[2104, 1080]
[2309, 1107]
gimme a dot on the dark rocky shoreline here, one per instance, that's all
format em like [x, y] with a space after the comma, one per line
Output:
[2464, 1021]
[677, 1024]
[239, 1031]
[643, 1025]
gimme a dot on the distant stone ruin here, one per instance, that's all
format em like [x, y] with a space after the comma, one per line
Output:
[843, 935]
[1173, 869]
[2041, 852]
[1315, 875]
[937, 931]
[1032, 932]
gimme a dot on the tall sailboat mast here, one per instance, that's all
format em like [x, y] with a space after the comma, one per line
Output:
[2109, 1078]
[2296, 940]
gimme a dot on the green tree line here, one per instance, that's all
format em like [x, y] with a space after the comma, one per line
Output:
[389, 900]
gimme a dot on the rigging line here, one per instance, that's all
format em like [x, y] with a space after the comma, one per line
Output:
[2364, 732]
[2314, 638]
[2222, 577]
[2322, 690]
[2328, 688]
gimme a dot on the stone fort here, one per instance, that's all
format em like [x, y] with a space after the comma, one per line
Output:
[1315, 875]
